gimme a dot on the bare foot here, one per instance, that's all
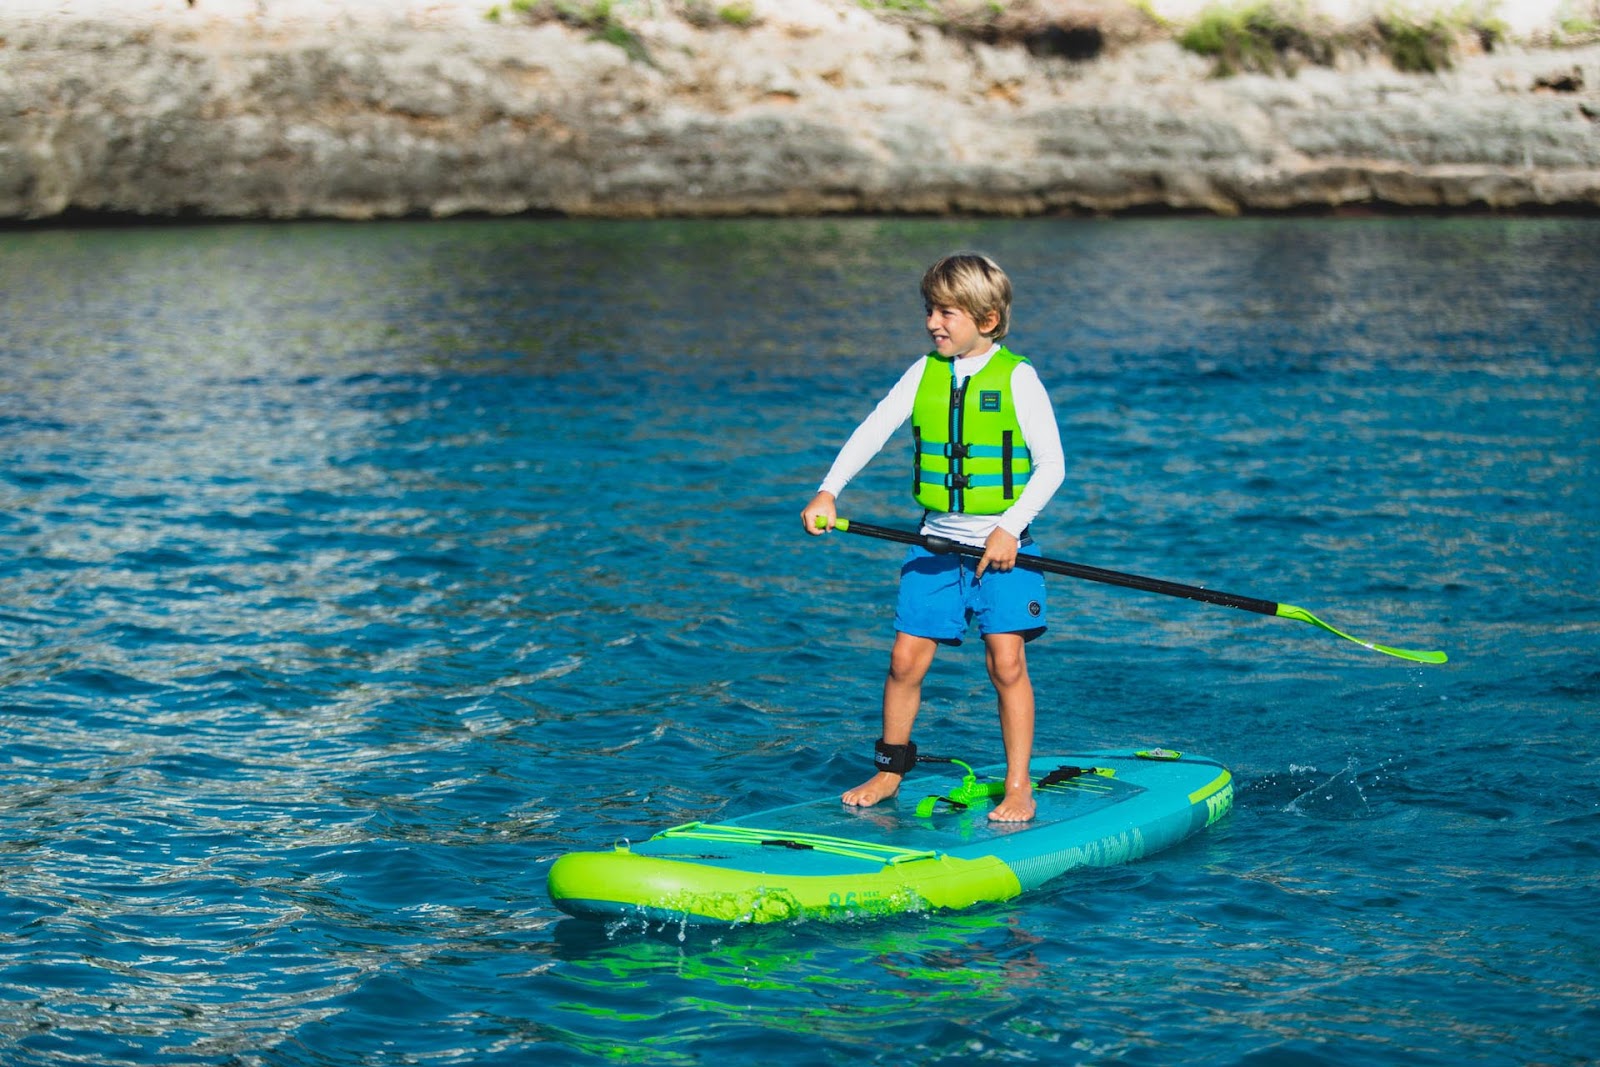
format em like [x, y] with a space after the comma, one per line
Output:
[880, 786]
[1018, 806]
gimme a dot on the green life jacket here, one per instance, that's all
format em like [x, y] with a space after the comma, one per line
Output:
[970, 456]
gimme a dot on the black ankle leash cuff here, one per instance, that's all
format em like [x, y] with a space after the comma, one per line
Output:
[896, 759]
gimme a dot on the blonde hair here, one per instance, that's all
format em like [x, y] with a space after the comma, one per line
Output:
[975, 284]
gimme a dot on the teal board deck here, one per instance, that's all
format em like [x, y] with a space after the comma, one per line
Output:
[933, 846]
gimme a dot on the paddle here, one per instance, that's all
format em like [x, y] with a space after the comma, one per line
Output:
[1131, 581]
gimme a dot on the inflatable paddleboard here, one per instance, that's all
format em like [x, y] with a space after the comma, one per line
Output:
[932, 846]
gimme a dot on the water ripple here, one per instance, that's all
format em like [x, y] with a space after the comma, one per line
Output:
[351, 575]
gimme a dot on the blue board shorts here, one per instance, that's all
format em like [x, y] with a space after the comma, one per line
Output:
[939, 598]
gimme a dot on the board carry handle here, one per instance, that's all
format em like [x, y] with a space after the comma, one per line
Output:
[1129, 581]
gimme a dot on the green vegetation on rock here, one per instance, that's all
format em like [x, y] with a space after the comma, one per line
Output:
[1238, 36]
[606, 18]
[1272, 36]
[1261, 38]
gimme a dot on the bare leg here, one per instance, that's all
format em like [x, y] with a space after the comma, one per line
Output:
[909, 661]
[1008, 670]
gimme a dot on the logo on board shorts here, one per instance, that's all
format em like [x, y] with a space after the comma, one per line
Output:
[1034, 608]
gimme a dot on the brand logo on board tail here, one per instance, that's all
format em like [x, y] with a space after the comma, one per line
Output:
[1219, 804]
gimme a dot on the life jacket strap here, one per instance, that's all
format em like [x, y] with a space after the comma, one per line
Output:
[1009, 487]
[959, 450]
[1010, 480]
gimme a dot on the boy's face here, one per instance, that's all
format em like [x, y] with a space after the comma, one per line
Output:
[955, 333]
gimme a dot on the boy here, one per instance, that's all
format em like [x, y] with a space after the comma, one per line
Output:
[988, 458]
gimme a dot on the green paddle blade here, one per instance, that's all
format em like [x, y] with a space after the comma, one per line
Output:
[1289, 611]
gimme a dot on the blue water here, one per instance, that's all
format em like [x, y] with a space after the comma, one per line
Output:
[351, 574]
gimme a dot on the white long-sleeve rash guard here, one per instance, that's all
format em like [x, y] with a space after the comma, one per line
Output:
[1039, 432]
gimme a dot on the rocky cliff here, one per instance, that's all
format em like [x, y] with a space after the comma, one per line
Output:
[191, 110]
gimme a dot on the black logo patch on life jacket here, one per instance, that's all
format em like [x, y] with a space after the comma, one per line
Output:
[989, 400]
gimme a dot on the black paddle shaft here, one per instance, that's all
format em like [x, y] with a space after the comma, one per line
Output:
[1072, 570]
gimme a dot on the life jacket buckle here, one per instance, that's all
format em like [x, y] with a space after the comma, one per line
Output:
[957, 450]
[957, 481]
